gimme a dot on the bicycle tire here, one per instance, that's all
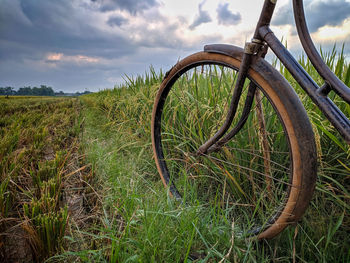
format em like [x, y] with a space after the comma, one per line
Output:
[173, 124]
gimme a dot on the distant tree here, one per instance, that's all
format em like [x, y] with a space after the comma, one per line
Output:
[7, 91]
[60, 93]
[35, 91]
[25, 91]
[46, 91]
[10, 91]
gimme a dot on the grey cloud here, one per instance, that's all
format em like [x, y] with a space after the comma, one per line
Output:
[284, 15]
[132, 6]
[46, 12]
[201, 18]
[54, 26]
[34, 28]
[116, 21]
[164, 35]
[30, 30]
[318, 14]
[226, 17]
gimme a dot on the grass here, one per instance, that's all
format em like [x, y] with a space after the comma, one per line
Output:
[141, 223]
[129, 216]
[232, 176]
[39, 159]
[331, 202]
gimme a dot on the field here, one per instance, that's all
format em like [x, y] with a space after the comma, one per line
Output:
[42, 175]
[79, 184]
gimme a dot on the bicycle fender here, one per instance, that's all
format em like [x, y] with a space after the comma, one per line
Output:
[228, 50]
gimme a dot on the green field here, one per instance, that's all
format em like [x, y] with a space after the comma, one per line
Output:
[79, 184]
[41, 171]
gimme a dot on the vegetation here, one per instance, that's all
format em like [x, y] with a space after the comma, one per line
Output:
[126, 215]
[40, 166]
[35, 91]
[143, 224]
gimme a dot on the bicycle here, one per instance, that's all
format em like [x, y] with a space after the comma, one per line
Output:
[263, 169]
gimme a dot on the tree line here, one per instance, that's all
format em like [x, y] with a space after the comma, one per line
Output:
[35, 91]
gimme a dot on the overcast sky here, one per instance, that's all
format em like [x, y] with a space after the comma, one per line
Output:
[77, 45]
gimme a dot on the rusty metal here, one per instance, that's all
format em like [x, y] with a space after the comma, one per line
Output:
[336, 84]
[329, 109]
[262, 35]
[245, 113]
[248, 101]
[253, 49]
[243, 70]
[265, 17]
[252, 57]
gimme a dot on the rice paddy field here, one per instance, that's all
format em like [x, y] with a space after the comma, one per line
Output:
[79, 184]
[43, 176]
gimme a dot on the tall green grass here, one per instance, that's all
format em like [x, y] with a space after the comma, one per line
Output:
[234, 176]
[140, 223]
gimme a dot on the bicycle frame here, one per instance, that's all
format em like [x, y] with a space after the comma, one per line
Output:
[263, 38]
[284, 174]
[316, 93]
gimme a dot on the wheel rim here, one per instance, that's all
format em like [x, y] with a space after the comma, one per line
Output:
[253, 191]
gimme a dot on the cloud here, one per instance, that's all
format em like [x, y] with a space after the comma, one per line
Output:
[31, 29]
[132, 6]
[226, 17]
[116, 21]
[55, 26]
[201, 18]
[79, 59]
[335, 32]
[54, 56]
[77, 44]
[318, 14]
[72, 45]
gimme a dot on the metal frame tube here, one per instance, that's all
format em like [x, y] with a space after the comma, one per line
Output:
[242, 73]
[329, 109]
[337, 85]
[318, 94]
[265, 16]
[244, 117]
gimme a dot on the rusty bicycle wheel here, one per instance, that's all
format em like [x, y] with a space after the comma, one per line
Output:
[263, 178]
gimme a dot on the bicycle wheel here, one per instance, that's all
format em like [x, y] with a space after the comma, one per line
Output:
[265, 174]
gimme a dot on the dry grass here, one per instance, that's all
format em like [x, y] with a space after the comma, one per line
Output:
[45, 182]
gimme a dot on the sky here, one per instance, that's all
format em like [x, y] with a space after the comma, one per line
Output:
[79, 45]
